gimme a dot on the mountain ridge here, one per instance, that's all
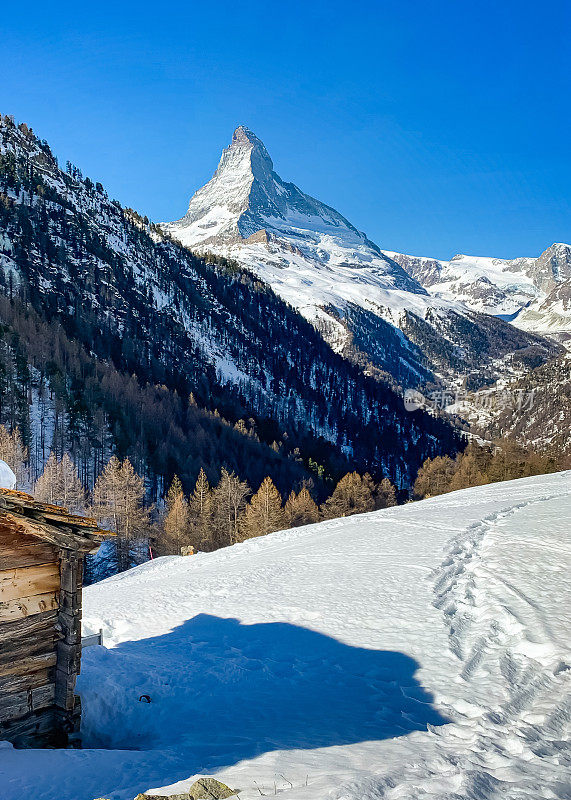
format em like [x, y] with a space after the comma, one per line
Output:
[534, 293]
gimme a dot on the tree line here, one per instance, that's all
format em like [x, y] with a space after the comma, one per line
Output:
[209, 518]
[218, 516]
[479, 465]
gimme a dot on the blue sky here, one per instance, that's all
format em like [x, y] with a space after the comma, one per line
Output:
[435, 127]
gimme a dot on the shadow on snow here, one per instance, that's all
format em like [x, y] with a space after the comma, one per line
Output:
[222, 692]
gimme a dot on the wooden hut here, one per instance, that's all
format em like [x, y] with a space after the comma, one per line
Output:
[42, 549]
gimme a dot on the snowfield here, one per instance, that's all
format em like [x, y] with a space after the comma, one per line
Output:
[422, 651]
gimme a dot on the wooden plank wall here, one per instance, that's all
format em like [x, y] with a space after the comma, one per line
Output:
[40, 640]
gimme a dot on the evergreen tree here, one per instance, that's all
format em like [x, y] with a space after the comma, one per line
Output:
[300, 509]
[264, 512]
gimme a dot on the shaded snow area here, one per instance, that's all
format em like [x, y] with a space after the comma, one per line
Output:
[416, 652]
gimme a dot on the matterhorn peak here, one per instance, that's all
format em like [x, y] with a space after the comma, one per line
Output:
[247, 205]
[246, 153]
[244, 136]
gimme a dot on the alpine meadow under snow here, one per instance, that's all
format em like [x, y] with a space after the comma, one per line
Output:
[417, 652]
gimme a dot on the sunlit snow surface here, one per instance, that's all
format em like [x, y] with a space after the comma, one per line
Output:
[417, 652]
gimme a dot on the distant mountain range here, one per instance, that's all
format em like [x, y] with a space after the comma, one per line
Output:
[294, 334]
[532, 293]
[415, 320]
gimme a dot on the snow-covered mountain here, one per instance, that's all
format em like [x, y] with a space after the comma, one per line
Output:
[250, 209]
[361, 298]
[418, 652]
[127, 295]
[534, 293]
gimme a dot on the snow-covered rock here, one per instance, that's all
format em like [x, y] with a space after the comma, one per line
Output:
[417, 652]
[7, 477]
[533, 293]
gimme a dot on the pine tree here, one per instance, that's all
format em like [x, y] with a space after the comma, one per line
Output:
[352, 495]
[301, 509]
[264, 512]
[228, 502]
[201, 514]
[118, 498]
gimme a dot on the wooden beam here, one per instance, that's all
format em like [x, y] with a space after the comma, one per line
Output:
[49, 533]
[38, 729]
[32, 680]
[15, 706]
[13, 632]
[28, 665]
[27, 606]
[28, 581]
[16, 551]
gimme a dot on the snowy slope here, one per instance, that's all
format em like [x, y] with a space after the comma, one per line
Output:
[317, 261]
[417, 652]
[488, 285]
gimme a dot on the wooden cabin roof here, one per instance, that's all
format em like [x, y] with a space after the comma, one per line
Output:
[49, 523]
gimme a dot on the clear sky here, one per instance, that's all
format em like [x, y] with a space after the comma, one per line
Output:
[435, 127]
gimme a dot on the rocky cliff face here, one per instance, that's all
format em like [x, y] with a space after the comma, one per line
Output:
[247, 203]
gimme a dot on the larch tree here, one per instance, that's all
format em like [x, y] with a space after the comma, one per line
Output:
[467, 474]
[352, 495]
[434, 476]
[118, 498]
[13, 452]
[72, 492]
[200, 514]
[176, 523]
[264, 512]
[385, 494]
[60, 485]
[300, 509]
[228, 502]
[46, 487]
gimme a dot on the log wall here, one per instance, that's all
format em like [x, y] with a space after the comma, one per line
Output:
[40, 640]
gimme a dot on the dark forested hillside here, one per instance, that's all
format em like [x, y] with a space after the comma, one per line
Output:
[109, 327]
